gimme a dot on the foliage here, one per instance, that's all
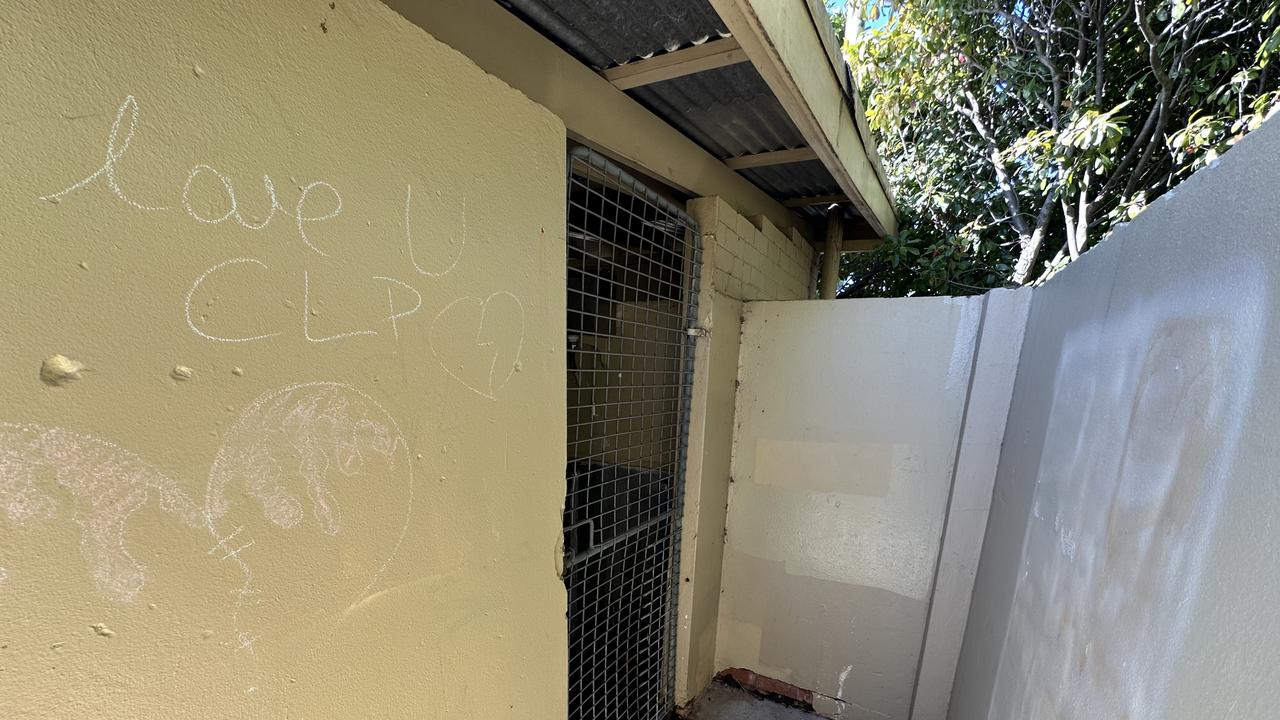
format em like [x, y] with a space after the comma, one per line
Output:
[1016, 132]
[835, 10]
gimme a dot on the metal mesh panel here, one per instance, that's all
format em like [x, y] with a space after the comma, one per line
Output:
[633, 268]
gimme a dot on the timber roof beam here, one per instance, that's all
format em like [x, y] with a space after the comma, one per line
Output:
[800, 202]
[776, 157]
[667, 66]
[786, 43]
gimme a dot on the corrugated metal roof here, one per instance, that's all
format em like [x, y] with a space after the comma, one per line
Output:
[729, 111]
[605, 33]
[803, 179]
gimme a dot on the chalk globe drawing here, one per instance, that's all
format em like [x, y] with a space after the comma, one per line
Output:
[309, 497]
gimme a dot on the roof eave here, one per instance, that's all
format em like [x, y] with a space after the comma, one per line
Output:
[784, 41]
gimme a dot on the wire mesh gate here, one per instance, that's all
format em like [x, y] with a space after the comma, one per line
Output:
[633, 282]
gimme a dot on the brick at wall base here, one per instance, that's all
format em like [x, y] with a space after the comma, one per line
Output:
[759, 684]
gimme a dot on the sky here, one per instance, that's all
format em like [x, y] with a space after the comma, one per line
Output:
[835, 7]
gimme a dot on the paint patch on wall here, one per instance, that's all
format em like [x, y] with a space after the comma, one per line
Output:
[841, 473]
[1128, 499]
[857, 468]
[864, 632]
[58, 370]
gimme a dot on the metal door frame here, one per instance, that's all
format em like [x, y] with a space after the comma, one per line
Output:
[585, 162]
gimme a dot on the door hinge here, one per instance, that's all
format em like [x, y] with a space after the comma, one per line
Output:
[698, 332]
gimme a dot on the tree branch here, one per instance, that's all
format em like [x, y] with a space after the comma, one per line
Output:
[1003, 179]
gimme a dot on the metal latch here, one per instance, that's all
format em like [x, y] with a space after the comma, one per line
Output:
[698, 332]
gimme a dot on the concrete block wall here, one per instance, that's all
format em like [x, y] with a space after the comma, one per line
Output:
[862, 464]
[750, 258]
[742, 259]
[1127, 569]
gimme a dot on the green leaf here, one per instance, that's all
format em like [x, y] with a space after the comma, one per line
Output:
[954, 220]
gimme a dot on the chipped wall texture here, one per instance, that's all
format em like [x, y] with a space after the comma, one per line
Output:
[844, 450]
[282, 366]
[739, 261]
[1129, 568]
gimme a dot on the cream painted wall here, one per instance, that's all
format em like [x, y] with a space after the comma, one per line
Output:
[849, 415]
[312, 263]
[995, 364]
[595, 112]
[706, 494]
[741, 259]
[1130, 567]
[836, 513]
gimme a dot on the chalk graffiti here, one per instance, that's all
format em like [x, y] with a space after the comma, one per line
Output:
[303, 220]
[308, 429]
[408, 236]
[391, 303]
[393, 317]
[117, 148]
[321, 447]
[115, 152]
[191, 323]
[234, 210]
[306, 317]
[107, 485]
[305, 448]
[501, 357]
[485, 382]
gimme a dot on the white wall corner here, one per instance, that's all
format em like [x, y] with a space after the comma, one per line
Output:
[998, 348]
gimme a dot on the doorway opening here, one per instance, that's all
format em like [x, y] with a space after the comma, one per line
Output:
[633, 266]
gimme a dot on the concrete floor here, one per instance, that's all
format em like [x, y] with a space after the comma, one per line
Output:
[724, 702]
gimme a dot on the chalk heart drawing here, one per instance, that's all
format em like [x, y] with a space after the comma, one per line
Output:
[309, 497]
[478, 341]
[47, 473]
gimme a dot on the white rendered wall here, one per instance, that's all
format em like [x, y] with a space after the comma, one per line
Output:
[1130, 566]
[848, 420]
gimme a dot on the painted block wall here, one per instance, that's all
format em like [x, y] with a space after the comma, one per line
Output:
[1129, 568]
[283, 369]
[741, 260]
[752, 259]
[849, 416]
